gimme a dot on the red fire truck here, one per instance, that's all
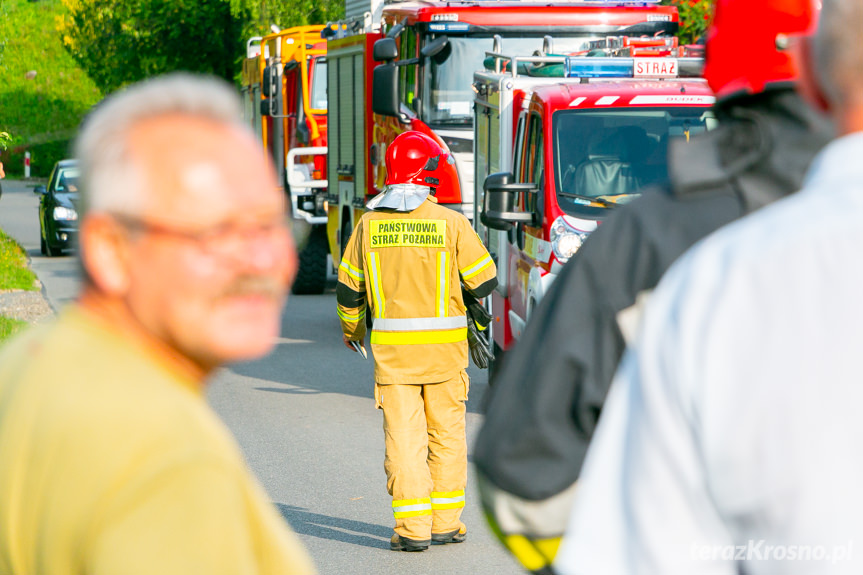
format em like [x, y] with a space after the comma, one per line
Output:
[415, 73]
[284, 84]
[581, 145]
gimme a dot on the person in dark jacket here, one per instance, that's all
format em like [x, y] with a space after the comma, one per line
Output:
[546, 399]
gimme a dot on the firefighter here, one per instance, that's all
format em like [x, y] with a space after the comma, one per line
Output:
[403, 273]
[546, 401]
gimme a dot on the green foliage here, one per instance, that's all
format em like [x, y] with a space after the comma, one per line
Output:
[122, 41]
[9, 327]
[288, 13]
[44, 93]
[14, 273]
[4, 14]
[46, 86]
[43, 156]
[694, 18]
[5, 139]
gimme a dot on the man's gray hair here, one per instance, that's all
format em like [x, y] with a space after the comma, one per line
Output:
[109, 181]
[838, 50]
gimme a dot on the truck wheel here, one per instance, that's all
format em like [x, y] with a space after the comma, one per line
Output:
[312, 275]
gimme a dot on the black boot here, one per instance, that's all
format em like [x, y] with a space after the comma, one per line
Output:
[457, 536]
[399, 543]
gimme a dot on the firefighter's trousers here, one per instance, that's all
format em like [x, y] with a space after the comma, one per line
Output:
[426, 454]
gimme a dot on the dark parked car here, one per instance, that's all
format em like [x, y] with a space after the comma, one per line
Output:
[58, 212]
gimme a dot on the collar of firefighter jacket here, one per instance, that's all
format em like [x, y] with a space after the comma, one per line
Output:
[400, 197]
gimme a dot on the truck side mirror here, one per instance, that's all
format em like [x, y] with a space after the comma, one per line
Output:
[270, 88]
[385, 91]
[266, 109]
[438, 50]
[41, 190]
[501, 193]
[385, 50]
[396, 30]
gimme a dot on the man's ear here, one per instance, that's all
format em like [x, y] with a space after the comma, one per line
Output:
[104, 247]
[807, 84]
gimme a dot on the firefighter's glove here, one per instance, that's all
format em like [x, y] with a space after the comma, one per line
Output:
[479, 347]
[474, 308]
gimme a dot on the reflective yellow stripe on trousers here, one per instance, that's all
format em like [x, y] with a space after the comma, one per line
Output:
[447, 499]
[411, 507]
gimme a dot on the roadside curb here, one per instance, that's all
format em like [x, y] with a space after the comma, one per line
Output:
[30, 306]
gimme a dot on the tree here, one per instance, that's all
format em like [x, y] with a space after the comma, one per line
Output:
[122, 41]
[694, 18]
[288, 13]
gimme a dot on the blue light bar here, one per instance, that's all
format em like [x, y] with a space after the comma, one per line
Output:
[599, 67]
[449, 27]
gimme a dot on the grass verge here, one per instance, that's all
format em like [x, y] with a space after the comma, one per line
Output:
[14, 275]
[43, 92]
[9, 327]
[14, 272]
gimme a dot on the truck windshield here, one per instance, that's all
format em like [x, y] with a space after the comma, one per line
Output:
[613, 155]
[448, 93]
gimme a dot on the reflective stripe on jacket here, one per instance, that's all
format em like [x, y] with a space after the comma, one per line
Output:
[408, 268]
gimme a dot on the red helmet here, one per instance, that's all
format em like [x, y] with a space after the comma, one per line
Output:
[747, 43]
[414, 158]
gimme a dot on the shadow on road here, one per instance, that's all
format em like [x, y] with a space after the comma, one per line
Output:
[336, 528]
[311, 357]
[62, 269]
[290, 390]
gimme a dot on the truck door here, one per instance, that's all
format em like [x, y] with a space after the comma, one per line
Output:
[529, 170]
[386, 128]
[293, 84]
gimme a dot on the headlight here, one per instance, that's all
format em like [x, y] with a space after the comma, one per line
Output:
[64, 213]
[565, 240]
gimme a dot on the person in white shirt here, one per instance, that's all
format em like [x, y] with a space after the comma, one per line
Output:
[730, 442]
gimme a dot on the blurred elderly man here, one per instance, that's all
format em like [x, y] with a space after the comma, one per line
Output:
[110, 460]
[730, 442]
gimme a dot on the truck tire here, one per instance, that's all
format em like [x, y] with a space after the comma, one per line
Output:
[312, 274]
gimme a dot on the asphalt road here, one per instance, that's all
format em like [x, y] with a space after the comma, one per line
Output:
[305, 419]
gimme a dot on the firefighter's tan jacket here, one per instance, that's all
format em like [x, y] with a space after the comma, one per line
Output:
[408, 267]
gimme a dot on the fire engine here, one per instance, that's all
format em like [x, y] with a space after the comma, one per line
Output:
[284, 84]
[412, 69]
[561, 141]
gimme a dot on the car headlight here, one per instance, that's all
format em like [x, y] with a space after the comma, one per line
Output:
[64, 213]
[565, 240]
